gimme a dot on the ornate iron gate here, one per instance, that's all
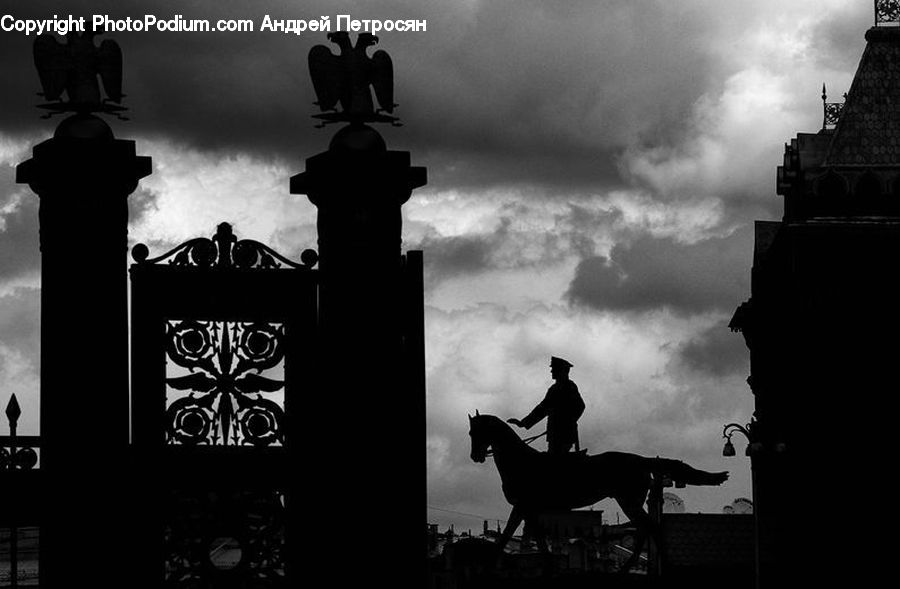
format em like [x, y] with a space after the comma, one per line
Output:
[223, 334]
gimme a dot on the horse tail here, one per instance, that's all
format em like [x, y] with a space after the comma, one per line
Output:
[682, 474]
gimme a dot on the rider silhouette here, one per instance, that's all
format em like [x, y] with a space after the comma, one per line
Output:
[562, 406]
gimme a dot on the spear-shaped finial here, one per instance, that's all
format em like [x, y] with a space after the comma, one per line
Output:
[13, 411]
[831, 111]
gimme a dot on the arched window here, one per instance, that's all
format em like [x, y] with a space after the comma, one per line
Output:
[831, 186]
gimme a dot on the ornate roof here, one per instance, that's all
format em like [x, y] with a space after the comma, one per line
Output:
[868, 132]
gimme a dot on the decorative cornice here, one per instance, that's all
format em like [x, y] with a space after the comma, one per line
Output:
[224, 251]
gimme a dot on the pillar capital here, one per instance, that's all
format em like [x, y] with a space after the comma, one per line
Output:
[346, 177]
[83, 153]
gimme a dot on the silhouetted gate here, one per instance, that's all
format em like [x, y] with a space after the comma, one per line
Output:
[222, 344]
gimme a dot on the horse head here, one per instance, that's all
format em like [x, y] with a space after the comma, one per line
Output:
[479, 435]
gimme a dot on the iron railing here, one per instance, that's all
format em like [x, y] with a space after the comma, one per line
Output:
[17, 454]
[887, 13]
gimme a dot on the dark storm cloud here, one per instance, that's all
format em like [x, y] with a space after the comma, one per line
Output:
[716, 351]
[712, 274]
[451, 256]
[493, 92]
[550, 238]
[214, 90]
[838, 42]
[551, 91]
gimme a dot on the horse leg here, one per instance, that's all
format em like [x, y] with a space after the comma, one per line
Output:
[515, 518]
[634, 511]
[540, 537]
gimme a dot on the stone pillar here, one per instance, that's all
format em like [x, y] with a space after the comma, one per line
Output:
[83, 176]
[365, 423]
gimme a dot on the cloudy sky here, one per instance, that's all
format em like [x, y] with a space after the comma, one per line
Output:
[595, 168]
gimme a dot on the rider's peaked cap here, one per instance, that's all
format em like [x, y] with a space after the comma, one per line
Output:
[554, 361]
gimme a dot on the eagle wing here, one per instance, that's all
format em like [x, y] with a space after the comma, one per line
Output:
[325, 72]
[53, 65]
[383, 80]
[109, 66]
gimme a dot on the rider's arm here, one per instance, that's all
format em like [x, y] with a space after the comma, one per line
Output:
[537, 414]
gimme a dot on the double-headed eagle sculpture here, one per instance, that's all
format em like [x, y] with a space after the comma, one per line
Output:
[345, 80]
[73, 67]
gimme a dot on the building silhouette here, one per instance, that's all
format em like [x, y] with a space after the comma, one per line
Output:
[821, 326]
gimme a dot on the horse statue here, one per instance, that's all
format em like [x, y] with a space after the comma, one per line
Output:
[535, 482]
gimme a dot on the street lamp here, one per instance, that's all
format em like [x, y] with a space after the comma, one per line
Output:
[754, 450]
[729, 430]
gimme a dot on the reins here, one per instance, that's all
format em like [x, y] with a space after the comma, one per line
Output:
[526, 440]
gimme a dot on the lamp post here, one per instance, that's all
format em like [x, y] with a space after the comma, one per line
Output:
[753, 448]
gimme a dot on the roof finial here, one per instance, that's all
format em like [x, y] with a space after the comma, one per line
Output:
[887, 13]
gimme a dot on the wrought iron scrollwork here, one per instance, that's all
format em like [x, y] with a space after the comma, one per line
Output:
[226, 368]
[831, 110]
[224, 250]
[21, 459]
[225, 539]
[887, 11]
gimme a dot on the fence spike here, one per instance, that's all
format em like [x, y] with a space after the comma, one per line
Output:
[13, 411]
